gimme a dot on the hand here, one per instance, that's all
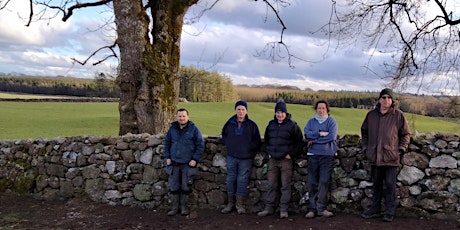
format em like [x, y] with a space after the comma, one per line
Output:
[168, 161]
[401, 155]
[323, 133]
[192, 163]
[401, 152]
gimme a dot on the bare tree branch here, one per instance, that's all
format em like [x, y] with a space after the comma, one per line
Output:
[111, 48]
[67, 8]
[67, 12]
[3, 4]
[196, 18]
[424, 46]
[274, 50]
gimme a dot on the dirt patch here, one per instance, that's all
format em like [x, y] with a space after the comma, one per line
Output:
[25, 212]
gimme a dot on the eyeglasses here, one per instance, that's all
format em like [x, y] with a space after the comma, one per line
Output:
[386, 97]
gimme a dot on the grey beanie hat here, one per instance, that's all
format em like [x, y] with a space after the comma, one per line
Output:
[386, 91]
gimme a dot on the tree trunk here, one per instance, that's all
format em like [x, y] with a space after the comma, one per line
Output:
[149, 63]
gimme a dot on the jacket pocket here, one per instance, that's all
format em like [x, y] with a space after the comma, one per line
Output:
[390, 154]
[169, 170]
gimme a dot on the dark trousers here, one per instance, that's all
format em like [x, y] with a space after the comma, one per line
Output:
[179, 178]
[384, 175]
[319, 174]
[279, 170]
[238, 173]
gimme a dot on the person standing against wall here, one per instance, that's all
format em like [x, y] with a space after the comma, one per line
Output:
[183, 148]
[321, 133]
[385, 137]
[242, 139]
[283, 138]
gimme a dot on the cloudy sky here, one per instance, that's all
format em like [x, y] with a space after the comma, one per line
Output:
[225, 39]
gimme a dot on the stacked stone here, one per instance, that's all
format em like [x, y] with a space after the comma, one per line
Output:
[129, 170]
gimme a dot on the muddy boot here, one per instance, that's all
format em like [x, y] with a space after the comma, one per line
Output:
[174, 204]
[240, 205]
[184, 209]
[230, 205]
[267, 211]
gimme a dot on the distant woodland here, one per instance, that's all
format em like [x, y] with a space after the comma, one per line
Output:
[197, 85]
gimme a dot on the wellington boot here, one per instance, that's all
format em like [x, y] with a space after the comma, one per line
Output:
[230, 205]
[240, 207]
[174, 204]
[184, 209]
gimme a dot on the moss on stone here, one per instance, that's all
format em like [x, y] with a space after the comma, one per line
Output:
[5, 184]
[25, 183]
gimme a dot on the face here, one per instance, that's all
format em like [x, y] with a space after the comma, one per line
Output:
[280, 116]
[321, 109]
[241, 112]
[182, 117]
[385, 101]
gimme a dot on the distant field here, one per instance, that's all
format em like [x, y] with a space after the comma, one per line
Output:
[349, 120]
[22, 120]
[27, 96]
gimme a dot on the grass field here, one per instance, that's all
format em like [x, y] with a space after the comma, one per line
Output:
[23, 120]
[211, 116]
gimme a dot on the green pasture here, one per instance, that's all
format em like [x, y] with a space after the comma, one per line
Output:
[23, 120]
[211, 116]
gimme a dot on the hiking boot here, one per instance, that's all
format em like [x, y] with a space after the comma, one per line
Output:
[326, 213]
[284, 214]
[387, 218]
[310, 215]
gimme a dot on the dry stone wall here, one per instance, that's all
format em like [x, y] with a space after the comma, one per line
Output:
[130, 170]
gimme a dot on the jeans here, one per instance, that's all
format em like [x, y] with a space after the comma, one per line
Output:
[319, 174]
[238, 172]
[179, 180]
[277, 169]
[381, 174]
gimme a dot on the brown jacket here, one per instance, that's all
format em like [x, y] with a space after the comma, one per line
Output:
[383, 136]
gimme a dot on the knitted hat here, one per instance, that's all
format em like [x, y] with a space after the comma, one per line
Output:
[281, 106]
[386, 91]
[241, 102]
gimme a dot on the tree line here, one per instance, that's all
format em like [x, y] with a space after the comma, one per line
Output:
[198, 85]
[102, 85]
[427, 105]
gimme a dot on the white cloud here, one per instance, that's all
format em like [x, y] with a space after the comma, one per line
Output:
[227, 38]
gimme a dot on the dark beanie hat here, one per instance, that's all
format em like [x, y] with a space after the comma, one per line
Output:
[386, 91]
[281, 106]
[241, 102]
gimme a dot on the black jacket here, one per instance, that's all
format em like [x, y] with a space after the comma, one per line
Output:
[283, 138]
